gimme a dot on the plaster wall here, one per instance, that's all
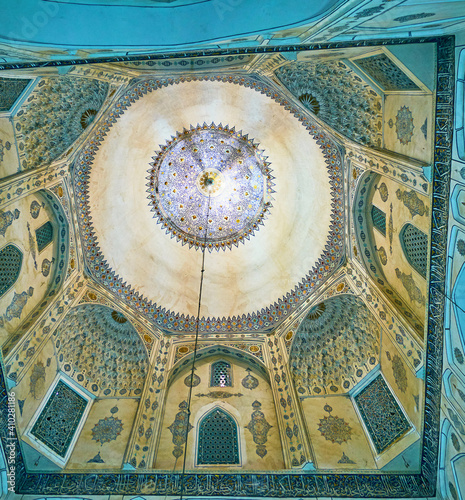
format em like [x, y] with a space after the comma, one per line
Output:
[337, 444]
[240, 407]
[105, 435]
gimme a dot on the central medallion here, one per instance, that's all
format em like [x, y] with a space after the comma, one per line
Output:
[210, 186]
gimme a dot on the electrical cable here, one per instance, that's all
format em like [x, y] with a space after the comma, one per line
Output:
[189, 397]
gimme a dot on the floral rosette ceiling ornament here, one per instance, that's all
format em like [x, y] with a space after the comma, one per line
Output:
[210, 186]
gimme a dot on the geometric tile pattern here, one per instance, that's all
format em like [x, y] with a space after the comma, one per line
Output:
[381, 414]
[414, 243]
[10, 90]
[208, 166]
[11, 259]
[44, 235]
[60, 418]
[385, 73]
[218, 439]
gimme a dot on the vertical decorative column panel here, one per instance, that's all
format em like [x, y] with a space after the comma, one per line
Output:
[294, 440]
[141, 449]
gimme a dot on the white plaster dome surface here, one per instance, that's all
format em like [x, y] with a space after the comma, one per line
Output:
[238, 281]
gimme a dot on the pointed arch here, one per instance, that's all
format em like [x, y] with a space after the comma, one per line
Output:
[218, 442]
[11, 259]
[221, 374]
[414, 244]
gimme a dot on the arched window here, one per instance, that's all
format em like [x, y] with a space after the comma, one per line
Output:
[379, 219]
[218, 443]
[11, 259]
[221, 374]
[44, 235]
[415, 246]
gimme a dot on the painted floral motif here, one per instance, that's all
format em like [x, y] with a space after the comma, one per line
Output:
[400, 375]
[192, 380]
[382, 255]
[249, 382]
[46, 266]
[424, 129]
[37, 380]
[107, 429]
[345, 460]
[404, 125]
[35, 209]
[411, 200]
[334, 429]
[180, 428]
[6, 146]
[6, 219]
[259, 428]
[390, 229]
[96, 460]
[461, 247]
[16, 307]
[219, 395]
[383, 191]
[409, 284]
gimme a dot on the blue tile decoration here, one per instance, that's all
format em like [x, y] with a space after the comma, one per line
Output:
[3, 147]
[195, 170]
[422, 484]
[345, 460]
[96, 460]
[60, 418]
[218, 443]
[6, 219]
[249, 381]
[10, 90]
[170, 321]
[179, 429]
[35, 209]
[386, 73]
[334, 428]
[107, 429]
[259, 428]
[11, 259]
[404, 125]
[15, 309]
[71, 105]
[381, 414]
[415, 205]
[323, 89]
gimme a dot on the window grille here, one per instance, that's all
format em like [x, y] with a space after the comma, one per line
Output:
[11, 259]
[44, 235]
[221, 374]
[415, 246]
[379, 219]
[218, 443]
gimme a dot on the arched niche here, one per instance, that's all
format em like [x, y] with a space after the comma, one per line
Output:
[43, 266]
[454, 317]
[451, 462]
[249, 400]
[101, 350]
[382, 208]
[335, 346]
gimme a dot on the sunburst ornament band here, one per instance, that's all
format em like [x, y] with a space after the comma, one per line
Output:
[215, 162]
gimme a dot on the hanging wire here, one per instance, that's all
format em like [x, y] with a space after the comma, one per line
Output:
[189, 397]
